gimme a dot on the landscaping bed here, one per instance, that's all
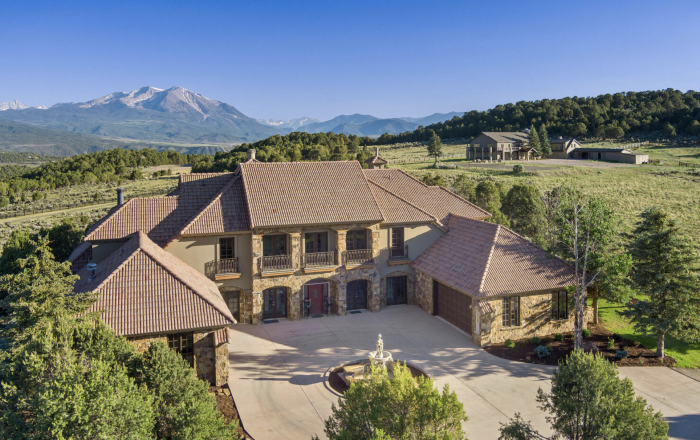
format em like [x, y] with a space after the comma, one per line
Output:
[637, 354]
[339, 386]
[227, 407]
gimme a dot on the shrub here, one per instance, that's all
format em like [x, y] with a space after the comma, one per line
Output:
[611, 343]
[535, 340]
[636, 343]
[621, 354]
[542, 351]
[509, 343]
[559, 337]
[588, 400]
[518, 168]
[97, 197]
[586, 333]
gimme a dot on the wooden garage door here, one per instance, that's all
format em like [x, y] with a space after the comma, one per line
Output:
[454, 307]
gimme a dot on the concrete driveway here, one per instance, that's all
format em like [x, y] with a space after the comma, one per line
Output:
[278, 374]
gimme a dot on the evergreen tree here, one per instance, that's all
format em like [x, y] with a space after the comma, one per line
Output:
[435, 147]
[402, 407]
[589, 401]
[534, 140]
[665, 271]
[545, 147]
[488, 195]
[525, 211]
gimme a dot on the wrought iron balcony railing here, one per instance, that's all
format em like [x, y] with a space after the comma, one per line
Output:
[227, 265]
[398, 253]
[276, 263]
[318, 259]
[358, 256]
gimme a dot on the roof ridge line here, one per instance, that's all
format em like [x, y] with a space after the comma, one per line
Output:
[245, 196]
[201, 211]
[174, 274]
[403, 200]
[123, 263]
[488, 260]
[108, 217]
[464, 200]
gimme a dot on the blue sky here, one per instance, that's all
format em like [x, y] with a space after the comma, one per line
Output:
[286, 59]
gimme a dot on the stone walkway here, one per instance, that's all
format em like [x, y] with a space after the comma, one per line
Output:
[278, 374]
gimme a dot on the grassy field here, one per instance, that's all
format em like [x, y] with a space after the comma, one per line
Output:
[687, 355]
[629, 189]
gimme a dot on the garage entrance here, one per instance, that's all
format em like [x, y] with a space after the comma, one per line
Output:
[454, 307]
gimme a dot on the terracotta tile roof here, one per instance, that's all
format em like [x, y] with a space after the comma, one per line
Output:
[396, 210]
[435, 200]
[145, 290]
[161, 218]
[507, 136]
[484, 259]
[376, 160]
[222, 336]
[227, 212]
[307, 193]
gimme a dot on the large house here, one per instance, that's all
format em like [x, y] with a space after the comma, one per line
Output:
[275, 241]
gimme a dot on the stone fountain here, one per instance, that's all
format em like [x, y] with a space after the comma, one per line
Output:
[379, 358]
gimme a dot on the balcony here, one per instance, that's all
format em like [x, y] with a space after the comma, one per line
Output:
[358, 257]
[318, 261]
[398, 255]
[227, 269]
[276, 264]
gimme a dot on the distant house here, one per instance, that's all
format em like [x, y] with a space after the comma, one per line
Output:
[610, 154]
[562, 147]
[496, 145]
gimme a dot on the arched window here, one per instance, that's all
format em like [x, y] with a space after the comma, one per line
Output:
[275, 303]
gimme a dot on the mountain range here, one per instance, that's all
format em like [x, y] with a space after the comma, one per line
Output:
[180, 116]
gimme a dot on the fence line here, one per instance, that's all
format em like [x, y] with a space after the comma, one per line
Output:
[688, 165]
[32, 211]
[635, 145]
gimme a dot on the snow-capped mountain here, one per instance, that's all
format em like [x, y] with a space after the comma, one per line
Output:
[12, 105]
[292, 124]
[169, 115]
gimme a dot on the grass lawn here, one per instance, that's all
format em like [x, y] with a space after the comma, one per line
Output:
[687, 355]
[629, 189]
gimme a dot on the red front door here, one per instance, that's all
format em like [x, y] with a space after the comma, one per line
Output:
[316, 298]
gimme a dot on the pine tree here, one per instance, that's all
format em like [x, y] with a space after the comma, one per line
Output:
[665, 271]
[435, 146]
[545, 147]
[534, 140]
[589, 401]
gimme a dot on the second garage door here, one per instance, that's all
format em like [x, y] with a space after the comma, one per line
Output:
[455, 307]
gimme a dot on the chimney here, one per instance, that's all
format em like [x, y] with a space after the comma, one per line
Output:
[376, 151]
[92, 270]
[251, 154]
[120, 196]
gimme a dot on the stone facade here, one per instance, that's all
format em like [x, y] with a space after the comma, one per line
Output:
[487, 328]
[210, 362]
[294, 280]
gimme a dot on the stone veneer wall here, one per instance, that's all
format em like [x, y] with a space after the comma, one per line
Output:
[409, 285]
[535, 312]
[210, 362]
[337, 277]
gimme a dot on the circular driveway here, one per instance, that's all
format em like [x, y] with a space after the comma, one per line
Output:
[278, 374]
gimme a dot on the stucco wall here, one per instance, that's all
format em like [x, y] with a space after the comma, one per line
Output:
[416, 237]
[201, 253]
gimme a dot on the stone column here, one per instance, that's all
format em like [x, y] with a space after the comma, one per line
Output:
[341, 236]
[257, 314]
[374, 242]
[342, 295]
[256, 252]
[295, 245]
[482, 152]
[204, 356]
[222, 365]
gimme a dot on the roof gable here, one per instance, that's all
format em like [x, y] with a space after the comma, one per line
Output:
[434, 200]
[227, 212]
[144, 289]
[484, 259]
[397, 210]
[307, 193]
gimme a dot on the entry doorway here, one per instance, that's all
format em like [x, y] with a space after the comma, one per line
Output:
[316, 294]
[396, 290]
[356, 294]
[275, 303]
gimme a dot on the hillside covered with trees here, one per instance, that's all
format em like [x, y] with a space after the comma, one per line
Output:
[611, 116]
[297, 146]
[99, 167]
